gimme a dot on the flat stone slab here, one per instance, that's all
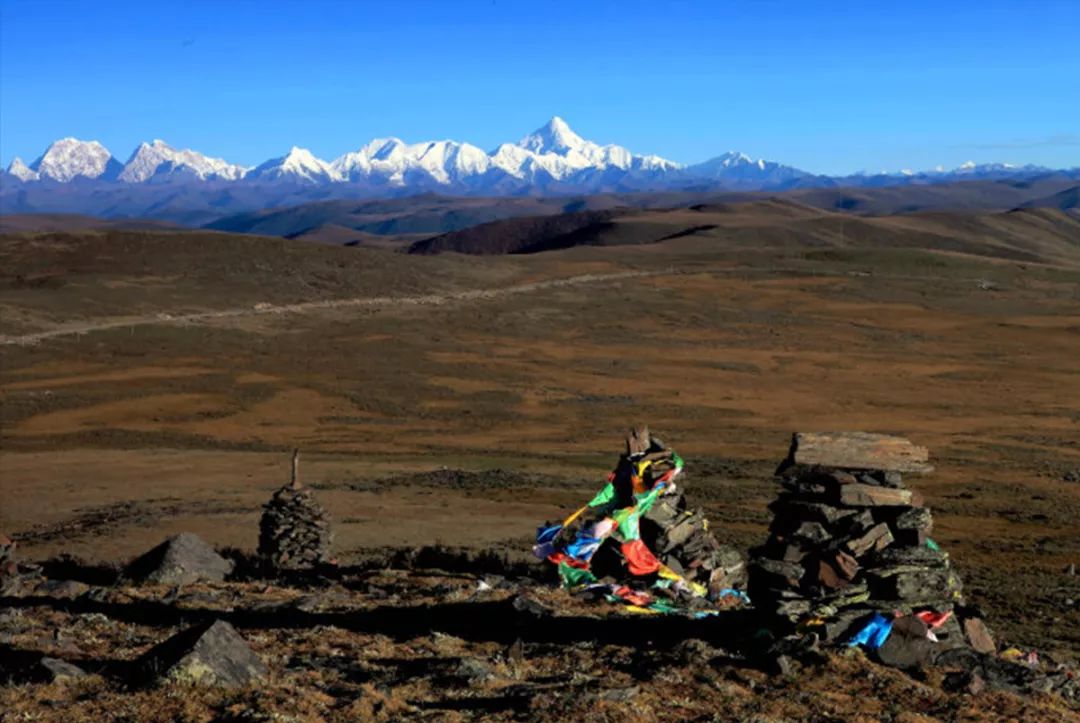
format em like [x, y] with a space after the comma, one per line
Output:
[857, 451]
[860, 495]
[180, 560]
[207, 655]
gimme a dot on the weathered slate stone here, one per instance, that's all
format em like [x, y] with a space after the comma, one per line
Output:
[55, 670]
[907, 646]
[812, 532]
[209, 655]
[877, 537]
[914, 556]
[911, 538]
[66, 589]
[917, 518]
[914, 584]
[180, 560]
[837, 572]
[860, 495]
[775, 573]
[793, 553]
[845, 623]
[793, 509]
[858, 451]
[978, 635]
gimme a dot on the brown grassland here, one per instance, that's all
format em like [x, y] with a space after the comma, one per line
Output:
[137, 421]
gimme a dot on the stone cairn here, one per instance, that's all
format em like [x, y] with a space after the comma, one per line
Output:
[848, 540]
[682, 540]
[9, 565]
[294, 532]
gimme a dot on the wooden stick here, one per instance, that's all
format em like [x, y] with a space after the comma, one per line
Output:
[294, 481]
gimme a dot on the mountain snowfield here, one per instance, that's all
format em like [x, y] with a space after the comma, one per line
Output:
[553, 158]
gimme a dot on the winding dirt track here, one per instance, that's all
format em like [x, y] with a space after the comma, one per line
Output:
[306, 306]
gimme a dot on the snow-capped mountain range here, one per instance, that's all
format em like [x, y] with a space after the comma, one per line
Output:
[184, 186]
[553, 153]
[552, 158]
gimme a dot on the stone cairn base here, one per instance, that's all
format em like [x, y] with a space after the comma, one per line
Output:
[682, 540]
[849, 540]
[294, 532]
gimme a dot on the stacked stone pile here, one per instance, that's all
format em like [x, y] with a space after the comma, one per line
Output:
[9, 566]
[16, 576]
[294, 532]
[681, 539]
[849, 540]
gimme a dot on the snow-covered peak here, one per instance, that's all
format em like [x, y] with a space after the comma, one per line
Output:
[70, 158]
[392, 161]
[299, 164]
[22, 171]
[740, 168]
[554, 136]
[158, 159]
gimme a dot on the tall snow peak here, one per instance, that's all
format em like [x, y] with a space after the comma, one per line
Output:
[22, 171]
[299, 165]
[555, 136]
[562, 152]
[70, 158]
[160, 160]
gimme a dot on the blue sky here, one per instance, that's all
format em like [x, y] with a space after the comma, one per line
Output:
[831, 87]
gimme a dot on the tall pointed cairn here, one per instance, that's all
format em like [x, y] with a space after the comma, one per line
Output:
[848, 539]
[294, 532]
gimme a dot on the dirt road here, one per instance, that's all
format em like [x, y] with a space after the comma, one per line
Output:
[303, 307]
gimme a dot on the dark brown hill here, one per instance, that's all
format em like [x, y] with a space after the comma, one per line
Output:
[1028, 235]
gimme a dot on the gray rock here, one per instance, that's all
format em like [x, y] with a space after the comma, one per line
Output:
[58, 671]
[916, 518]
[67, 589]
[207, 655]
[620, 695]
[532, 607]
[474, 670]
[180, 560]
[862, 495]
[907, 646]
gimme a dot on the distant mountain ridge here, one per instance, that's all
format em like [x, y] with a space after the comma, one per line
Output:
[160, 181]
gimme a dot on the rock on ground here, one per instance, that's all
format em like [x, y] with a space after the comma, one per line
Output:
[180, 560]
[211, 654]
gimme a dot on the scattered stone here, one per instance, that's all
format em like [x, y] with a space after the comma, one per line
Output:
[64, 589]
[516, 652]
[993, 672]
[907, 647]
[532, 607]
[1072, 475]
[978, 635]
[294, 531]
[15, 577]
[210, 655]
[782, 665]
[620, 695]
[474, 670]
[55, 670]
[180, 560]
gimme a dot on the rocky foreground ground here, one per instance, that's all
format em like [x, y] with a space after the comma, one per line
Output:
[442, 635]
